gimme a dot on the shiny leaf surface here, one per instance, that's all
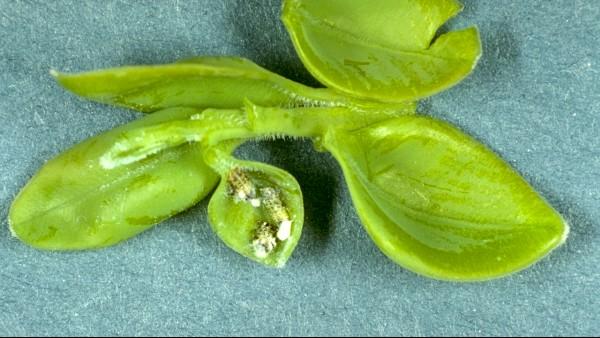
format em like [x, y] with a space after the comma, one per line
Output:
[441, 204]
[75, 203]
[381, 49]
[215, 82]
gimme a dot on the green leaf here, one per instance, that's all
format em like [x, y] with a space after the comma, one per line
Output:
[208, 127]
[201, 82]
[440, 204]
[381, 49]
[257, 209]
[75, 203]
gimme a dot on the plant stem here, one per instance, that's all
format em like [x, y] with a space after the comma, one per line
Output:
[215, 126]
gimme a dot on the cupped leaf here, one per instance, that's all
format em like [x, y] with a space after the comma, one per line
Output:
[73, 202]
[441, 204]
[216, 82]
[257, 210]
[207, 127]
[381, 49]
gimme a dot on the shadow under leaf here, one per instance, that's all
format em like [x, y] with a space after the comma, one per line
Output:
[265, 40]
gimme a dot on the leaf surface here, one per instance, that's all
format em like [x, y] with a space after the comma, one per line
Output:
[440, 203]
[381, 49]
[257, 209]
[75, 203]
[200, 82]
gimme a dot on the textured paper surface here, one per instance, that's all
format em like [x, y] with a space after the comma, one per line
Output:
[534, 98]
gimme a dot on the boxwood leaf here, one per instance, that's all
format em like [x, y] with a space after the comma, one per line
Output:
[215, 82]
[257, 209]
[75, 203]
[440, 203]
[381, 49]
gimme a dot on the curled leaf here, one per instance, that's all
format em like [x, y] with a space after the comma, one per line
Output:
[441, 204]
[257, 210]
[215, 82]
[207, 126]
[381, 49]
[75, 203]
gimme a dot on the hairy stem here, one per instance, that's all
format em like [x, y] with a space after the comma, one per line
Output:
[215, 126]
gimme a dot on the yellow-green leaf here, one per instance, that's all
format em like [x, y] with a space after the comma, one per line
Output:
[381, 49]
[257, 209]
[73, 202]
[440, 203]
[201, 82]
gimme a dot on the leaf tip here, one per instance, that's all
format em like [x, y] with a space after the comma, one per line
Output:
[473, 31]
[565, 234]
[12, 231]
[60, 77]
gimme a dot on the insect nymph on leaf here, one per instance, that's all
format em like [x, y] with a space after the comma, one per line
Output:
[271, 200]
[265, 240]
[241, 187]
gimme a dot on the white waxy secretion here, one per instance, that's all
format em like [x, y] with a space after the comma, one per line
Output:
[285, 230]
[255, 202]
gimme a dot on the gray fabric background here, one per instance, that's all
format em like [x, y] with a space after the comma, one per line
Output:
[534, 98]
